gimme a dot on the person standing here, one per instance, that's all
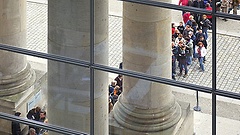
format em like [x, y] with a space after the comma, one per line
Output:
[224, 7]
[183, 3]
[189, 50]
[16, 129]
[44, 120]
[209, 8]
[201, 52]
[174, 59]
[119, 80]
[182, 58]
[186, 17]
[198, 4]
[206, 24]
[180, 27]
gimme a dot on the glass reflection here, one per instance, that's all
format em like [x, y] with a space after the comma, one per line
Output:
[68, 95]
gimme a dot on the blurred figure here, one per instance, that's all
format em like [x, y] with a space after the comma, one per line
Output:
[209, 8]
[16, 129]
[201, 52]
[119, 80]
[34, 114]
[224, 7]
[32, 131]
[111, 87]
[110, 105]
[186, 17]
[174, 59]
[182, 58]
[180, 27]
[114, 97]
[206, 24]
[44, 120]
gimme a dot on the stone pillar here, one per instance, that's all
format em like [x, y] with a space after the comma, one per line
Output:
[145, 106]
[69, 85]
[16, 74]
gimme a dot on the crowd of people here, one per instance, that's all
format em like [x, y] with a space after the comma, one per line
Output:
[189, 38]
[36, 114]
[115, 89]
[224, 6]
[189, 42]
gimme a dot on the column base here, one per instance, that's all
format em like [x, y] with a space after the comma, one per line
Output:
[185, 126]
[16, 83]
[22, 102]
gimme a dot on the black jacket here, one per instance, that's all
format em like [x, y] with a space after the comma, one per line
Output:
[16, 130]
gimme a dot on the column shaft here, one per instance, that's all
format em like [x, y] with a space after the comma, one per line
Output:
[146, 106]
[69, 85]
[15, 74]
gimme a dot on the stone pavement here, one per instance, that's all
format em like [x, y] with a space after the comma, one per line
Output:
[228, 63]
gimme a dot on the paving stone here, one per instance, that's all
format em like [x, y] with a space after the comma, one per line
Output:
[228, 60]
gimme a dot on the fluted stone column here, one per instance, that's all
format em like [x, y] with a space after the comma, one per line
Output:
[69, 85]
[16, 74]
[146, 106]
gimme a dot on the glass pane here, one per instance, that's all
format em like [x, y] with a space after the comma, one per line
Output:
[58, 89]
[134, 42]
[101, 100]
[69, 95]
[138, 100]
[227, 116]
[24, 129]
[192, 50]
[101, 44]
[58, 27]
[37, 26]
[228, 7]
[201, 105]
[138, 55]
[227, 55]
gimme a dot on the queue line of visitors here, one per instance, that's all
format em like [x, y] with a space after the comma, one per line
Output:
[189, 42]
[115, 90]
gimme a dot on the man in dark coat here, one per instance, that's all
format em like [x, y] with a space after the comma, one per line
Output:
[16, 129]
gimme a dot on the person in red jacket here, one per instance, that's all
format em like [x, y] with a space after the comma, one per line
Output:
[183, 2]
[186, 17]
[208, 7]
[173, 28]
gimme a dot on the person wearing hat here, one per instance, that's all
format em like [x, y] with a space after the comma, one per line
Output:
[16, 129]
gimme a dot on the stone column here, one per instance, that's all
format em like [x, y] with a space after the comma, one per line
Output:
[69, 85]
[146, 106]
[16, 74]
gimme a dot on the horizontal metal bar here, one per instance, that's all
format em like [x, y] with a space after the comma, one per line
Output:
[228, 94]
[169, 6]
[152, 78]
[50, 127]
[48, 56]
[228, 16]
[139, 75]
[183, 8]
[79, 62]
